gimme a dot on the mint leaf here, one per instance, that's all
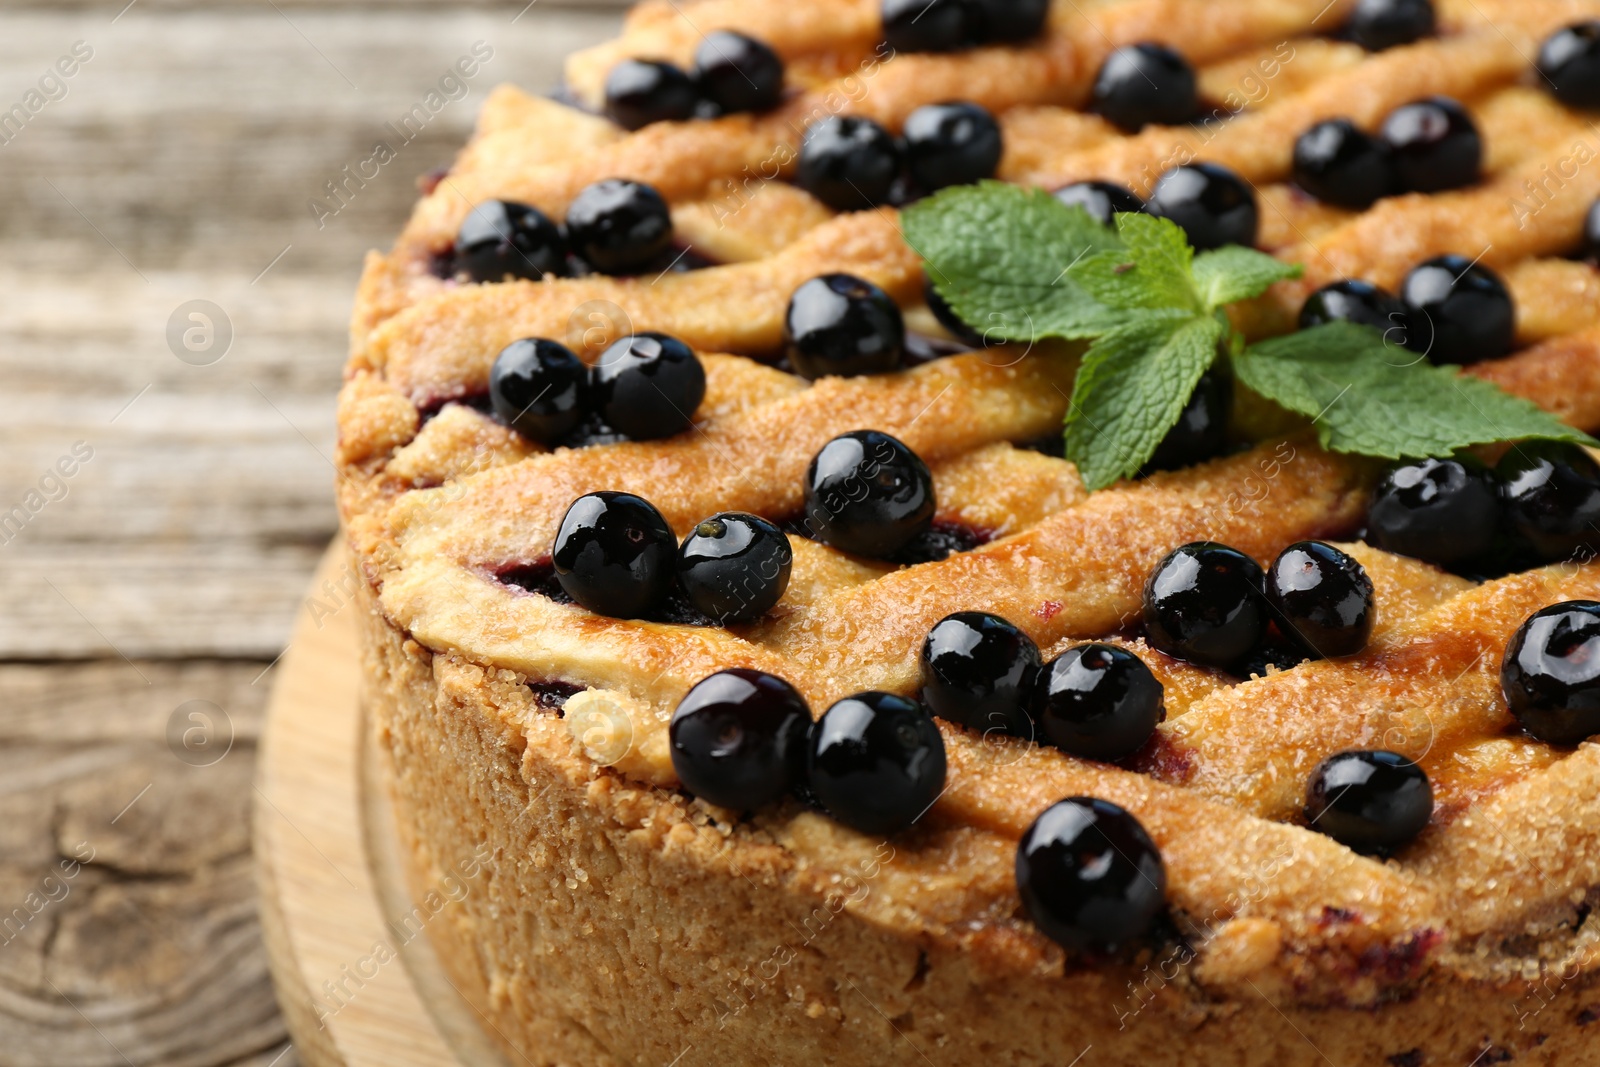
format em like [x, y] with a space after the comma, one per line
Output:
[1152, 270]
[998, 254]
[1378, 399]
[1131, 387]
[1237, 273]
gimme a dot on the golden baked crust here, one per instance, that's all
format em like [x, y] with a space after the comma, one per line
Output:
[618, 909]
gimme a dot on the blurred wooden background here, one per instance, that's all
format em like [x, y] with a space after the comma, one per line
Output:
[148, 594]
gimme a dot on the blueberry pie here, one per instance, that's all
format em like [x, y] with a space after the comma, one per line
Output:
[996, 531]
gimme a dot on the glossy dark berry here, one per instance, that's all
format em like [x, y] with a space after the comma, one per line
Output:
[978, 670]
[1340, 164]
[868, 493]
[738, 738]
[847, 162]
[949, 319]
[1552, 497]
[619, 226]
[1569, 61]
[1353, 300]
[642, 91]
[1591, 234]
[502, 237]
[539, 388]
[734, 567]
[1550, 674]
[1010, 21]
[738, 72]
[955, 143]
[1379, 24]
[1444, 511]
[1139, 84]
[1099, 702]
[931, 25]
[843, 325]
[1102, 200]
[648, 385]
[1435, 145]
[1372, 802]
[877, 762]
[1459, 311]
[1201, 431]
[1089, 875]
[615, 554]
[1203, 603]
[1214, 205]
[1322, 598]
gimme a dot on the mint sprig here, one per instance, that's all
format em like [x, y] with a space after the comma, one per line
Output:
[1377, 399]
[1018, 265]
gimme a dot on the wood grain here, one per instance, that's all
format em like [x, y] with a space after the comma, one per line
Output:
[168, 566]
[179, 165]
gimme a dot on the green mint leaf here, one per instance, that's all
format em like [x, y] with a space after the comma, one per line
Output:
[1378, 399]
[1131, 387]
[1237, 273]
[998, 254]
[1152, 270]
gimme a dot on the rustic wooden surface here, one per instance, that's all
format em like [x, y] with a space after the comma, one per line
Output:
[148, 594]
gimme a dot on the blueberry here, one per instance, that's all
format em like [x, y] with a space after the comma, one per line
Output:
[738, 738]
[1551, 491]
[1444, 511]
[539, 388]
[949, 319]
[848, 163]
[1379, 24]
[1203, 603]
[1591, 234]
[877, 762]
[734, 567]
[1214, 205]
[1201, 431]
[1089, 875]
[648, 385]
[642, 91]
[1363, 303]
[1435, 145]
[1459, 311]
[1099, 702]
[614, 554]
[843, 325]
[1145, 83]
[931, 25]
[1339, 164]
[1569, 61]
[1550, 674]
[1323, 599]
[978, 670]
[954, 143]
[868, 494]
[1372, 802]
[619, 226]
[502, 237]
[1102, 200]
[737, 72]
[1009, 21]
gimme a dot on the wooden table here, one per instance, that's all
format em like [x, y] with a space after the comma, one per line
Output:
[163, 499]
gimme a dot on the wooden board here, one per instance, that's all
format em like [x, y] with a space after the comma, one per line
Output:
[329, 875]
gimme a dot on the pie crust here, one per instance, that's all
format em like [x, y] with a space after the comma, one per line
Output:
[621, 921]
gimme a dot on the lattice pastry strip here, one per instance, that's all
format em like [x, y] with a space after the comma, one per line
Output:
[1422, 690]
